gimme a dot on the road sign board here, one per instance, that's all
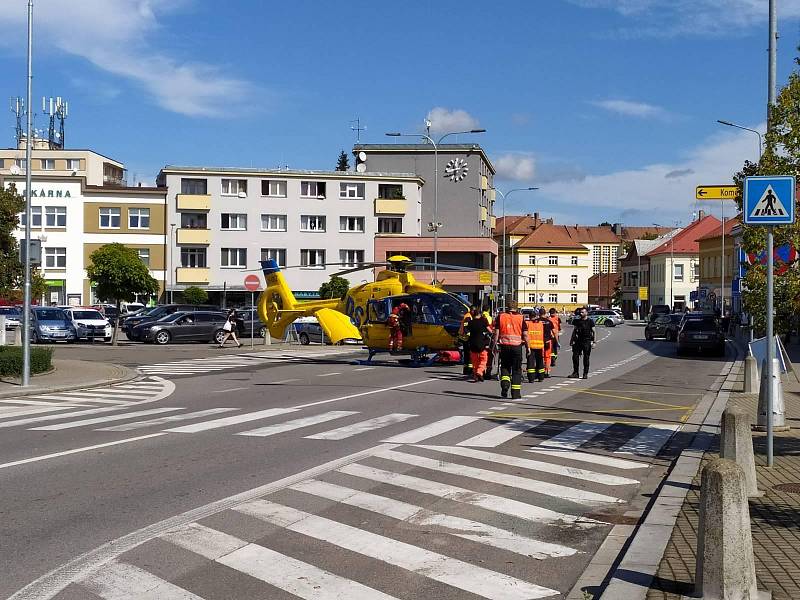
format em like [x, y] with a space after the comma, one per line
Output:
[643, 293]
[716, 192]
[769, 200]
[485, 277]
[252, 282]
[693, 296]
[736, 287]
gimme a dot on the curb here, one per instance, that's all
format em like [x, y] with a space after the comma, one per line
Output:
[128, 375]
[627, 561]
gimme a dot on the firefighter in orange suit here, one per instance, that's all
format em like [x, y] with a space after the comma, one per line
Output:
[548, 340]
[556, 321]
[511, 339]
[395, 332]
[540, 336]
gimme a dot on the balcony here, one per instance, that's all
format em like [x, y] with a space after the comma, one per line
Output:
[195, 237]
[384, 206]
[194, 202]
[192, 275]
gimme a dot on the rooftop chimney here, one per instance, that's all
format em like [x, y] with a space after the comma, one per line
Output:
[617, 228]
[701, 215]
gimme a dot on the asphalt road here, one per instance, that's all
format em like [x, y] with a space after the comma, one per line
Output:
[299, 473]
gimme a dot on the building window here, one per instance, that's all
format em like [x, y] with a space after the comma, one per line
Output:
[351, 258]
[531, 259]
[36, 217]
[144, 256]
[21, 163]
[55, 258]
[312, 189]
[351, 191]
[552, 260]
[234, 187]
[48, 164]
[314, 223]
[696, 271]
[55, 216]
[390, 191]
[194, 221]
[276, 254]
[193, 258]
[390, 225]
[234, 257]
[312, 259]
[73, 164]
[234, 222]
[532, 298]
[351, 224]
[273, 222]
[552, 279]
[573, 298]
[273, 187]
[532, 279]
[679, 272]
[552, 297]
[573, 261]
[110, 218]
[198, 187]
[573, 279]
[139, 218]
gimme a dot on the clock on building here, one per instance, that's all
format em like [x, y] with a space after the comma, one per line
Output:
[456, 169]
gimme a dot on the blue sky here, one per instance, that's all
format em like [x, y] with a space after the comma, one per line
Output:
[609, 106]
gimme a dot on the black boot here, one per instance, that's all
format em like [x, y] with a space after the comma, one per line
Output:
[573, 375]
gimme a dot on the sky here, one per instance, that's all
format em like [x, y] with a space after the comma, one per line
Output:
[608, 106]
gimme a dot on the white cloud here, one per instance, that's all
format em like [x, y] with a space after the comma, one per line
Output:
[515, 166]
[444, 120]
[117, 36]
[640, 110]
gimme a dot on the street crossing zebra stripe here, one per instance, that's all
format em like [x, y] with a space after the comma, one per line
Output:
[575, 436]
[501, 434]
[168, 419]
[431, 430]
[361, 427]
[650, 440]
[234, 420]
[298, 423]
[105, 419]
[119, 580]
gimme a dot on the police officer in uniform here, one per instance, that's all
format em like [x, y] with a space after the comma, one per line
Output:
[511, 338]
[582, 342]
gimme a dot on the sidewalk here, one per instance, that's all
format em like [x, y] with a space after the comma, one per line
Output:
[775, 516]
[68, 374]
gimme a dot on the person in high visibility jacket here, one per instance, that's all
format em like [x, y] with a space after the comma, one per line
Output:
[395, 332]
[556, 343]
[511, 338]
[540, 336]
[463, 340]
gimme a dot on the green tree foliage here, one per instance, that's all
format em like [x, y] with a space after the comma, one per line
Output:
[335, 287]
[119, 274]
[195, 295]
[11, 271]
[605, 224]
[343, 163]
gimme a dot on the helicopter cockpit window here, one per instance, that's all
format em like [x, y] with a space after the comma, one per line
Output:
[378, 312]
[423, 311]
[447, 308]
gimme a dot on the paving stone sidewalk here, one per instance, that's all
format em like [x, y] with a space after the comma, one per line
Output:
[775, 517]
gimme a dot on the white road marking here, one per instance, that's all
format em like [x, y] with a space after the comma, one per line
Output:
[498, 504]
[451, 571]
[362, 427]
[19, 411]
[432, 430]
[38, 403]
[575, 436]
[164, 420]
[298, 423]
[649, 441]
[93, 400]
[120, 581]
[360, 394]
[90, 393]
[514, 481]
[417, 515]
[283, 381]
[500, 434]
[76, 451]
[95, 420]
[364, 369]
[599, 459]
[236, 389]
[234, 420]
[327, 374]
[535, 465]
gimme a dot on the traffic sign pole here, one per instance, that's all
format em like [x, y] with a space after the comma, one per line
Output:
[770, 343]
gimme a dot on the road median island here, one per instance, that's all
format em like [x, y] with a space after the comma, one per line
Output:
[64, 375]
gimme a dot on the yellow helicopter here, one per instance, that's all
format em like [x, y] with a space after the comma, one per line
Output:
[363, 312]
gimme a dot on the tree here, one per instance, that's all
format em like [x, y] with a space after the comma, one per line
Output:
[11, 269]
[119, 274]
[605, 224]
[336, 287]
[343, 164]
[195, 295]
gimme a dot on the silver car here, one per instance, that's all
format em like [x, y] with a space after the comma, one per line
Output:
[606, 317]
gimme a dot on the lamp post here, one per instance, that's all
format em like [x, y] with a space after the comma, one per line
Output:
[760, 140]
[435, 186]
[169, 257]
[26, 294]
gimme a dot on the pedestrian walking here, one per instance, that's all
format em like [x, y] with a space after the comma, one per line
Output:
[582, 342]
[230, 329]
[479, 340]
[511, 338]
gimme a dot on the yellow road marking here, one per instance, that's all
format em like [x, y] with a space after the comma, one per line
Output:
[640, 423]
[577, 411]
[647, 392]
[593, 393]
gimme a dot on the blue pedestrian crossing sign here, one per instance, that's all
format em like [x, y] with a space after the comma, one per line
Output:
[769, 200]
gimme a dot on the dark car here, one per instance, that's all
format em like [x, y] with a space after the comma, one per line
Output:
[185, 326]
[157, 312]
[658, 309]
[249, 322]
[701, 335]
[661, 326]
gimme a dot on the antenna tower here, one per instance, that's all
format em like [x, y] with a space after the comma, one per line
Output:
[18, 108]
[58, 110]
[358, 129]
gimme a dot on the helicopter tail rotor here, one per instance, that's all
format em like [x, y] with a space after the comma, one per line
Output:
[277, 300]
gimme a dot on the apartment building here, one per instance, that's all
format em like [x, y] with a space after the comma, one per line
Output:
[714, 282]
[223, 221]
[635, 271]
[78, 203]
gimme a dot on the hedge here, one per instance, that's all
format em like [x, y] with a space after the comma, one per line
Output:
[11, 360]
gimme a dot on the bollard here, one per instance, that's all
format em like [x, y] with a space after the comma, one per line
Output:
[267, 338]
[736, 444]
[750, 375]
[725, 565]
[18, 336]
[778, 412]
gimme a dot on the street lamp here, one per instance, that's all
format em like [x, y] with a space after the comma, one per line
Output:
[435, 186]
[760, 142]
[169, 257]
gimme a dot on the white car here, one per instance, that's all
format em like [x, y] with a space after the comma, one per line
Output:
[606, 317]
[89, 324]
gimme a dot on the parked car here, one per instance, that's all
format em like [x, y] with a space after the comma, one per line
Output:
[156, 312]
[606, 317]
[89, 324]
[248, 321]
[308, 331]
[13, 316]
[675, 322]
[658, 309]
[185, 326]
[659, 326]
[701, 335]
[132, 307]
[50, 324]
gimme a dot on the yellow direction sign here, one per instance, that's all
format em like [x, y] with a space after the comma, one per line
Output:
[717, 192]
[643, 293]
[484, 277]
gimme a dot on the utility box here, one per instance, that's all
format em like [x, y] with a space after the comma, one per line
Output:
[36, 252]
